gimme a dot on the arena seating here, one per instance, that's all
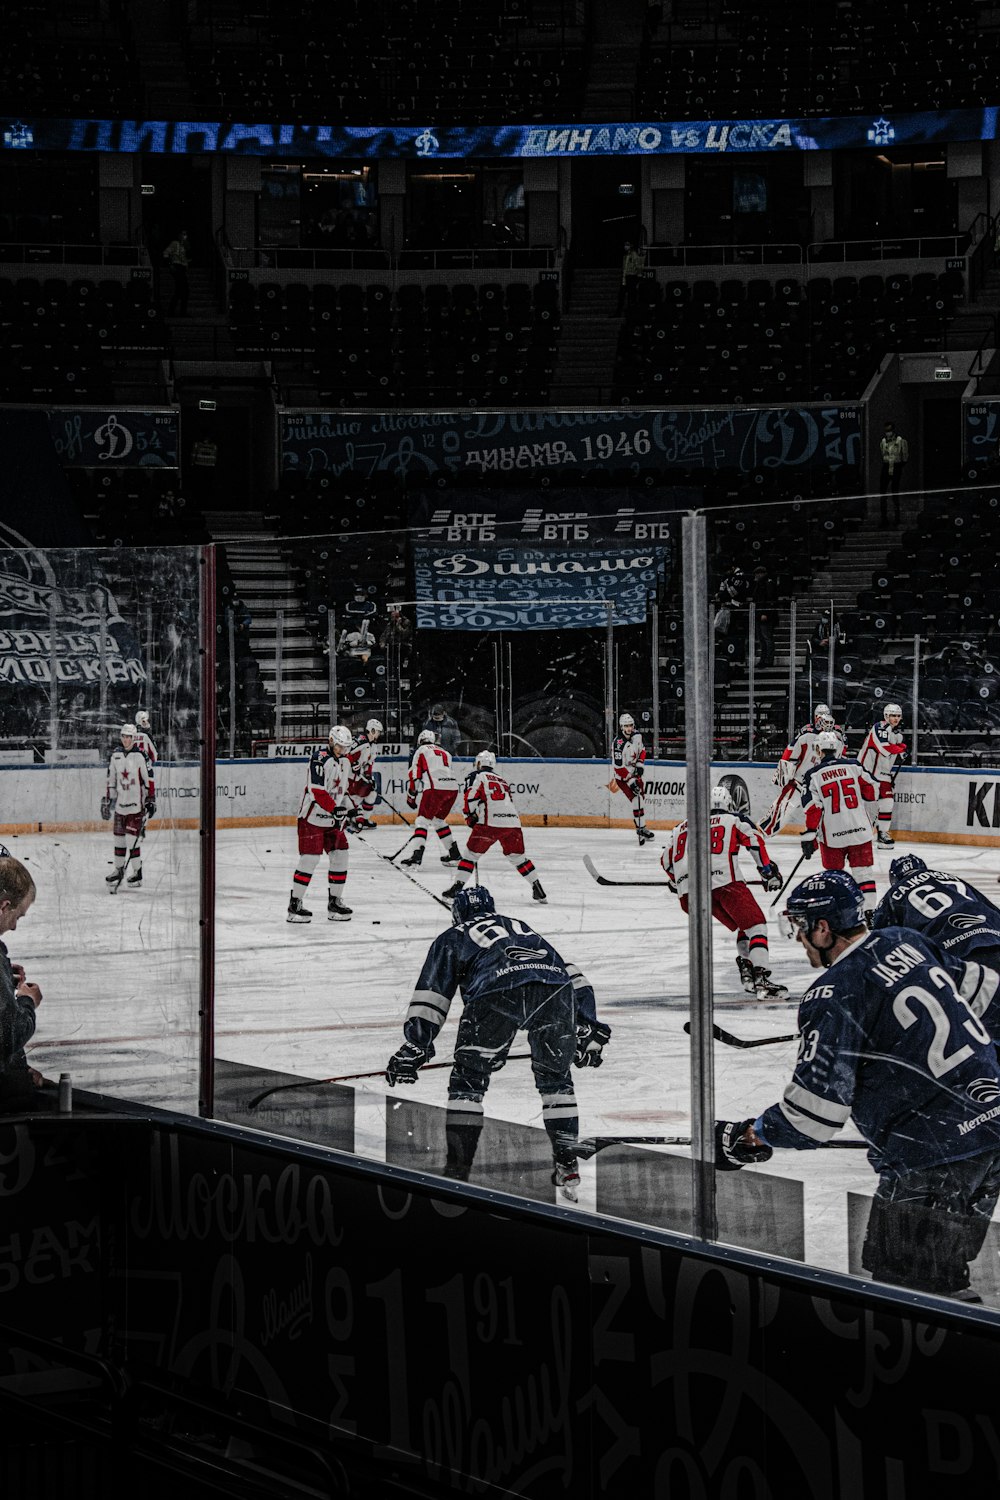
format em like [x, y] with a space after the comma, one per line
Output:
[351, 344]
[758, 341]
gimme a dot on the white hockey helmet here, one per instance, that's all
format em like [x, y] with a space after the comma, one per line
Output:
[486, 761]
[827, 741]
[721, 799]
[822, 717]
[373, 727]
[341, 738]
[626, 721]
[128, 730]
[426, 737]
[892, 711]
[142, 719]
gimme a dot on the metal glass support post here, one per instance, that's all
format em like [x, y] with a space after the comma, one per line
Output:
[751, 680]
[829, 662]
[102, 654]
[792, 671]
[206, 1007]
[655, 649]
[279, 653]
[915, 736]
[698, 718]
[609, 682]
[231, 632]
[331, 657]
[53, 682]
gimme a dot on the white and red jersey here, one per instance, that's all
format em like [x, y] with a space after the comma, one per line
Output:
[879, 755]
[730, 832]
[488, 800]
[833, 795]
[145, 744]
[431, 770]
[362, 756]
[628, 754]
[128, 780]
[326, 787]
[802, 754]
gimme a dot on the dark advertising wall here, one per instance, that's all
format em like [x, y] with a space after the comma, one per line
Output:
[476, 1342]
[422, 444]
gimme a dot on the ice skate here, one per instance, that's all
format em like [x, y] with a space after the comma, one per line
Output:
[297, 912]
[135, 879]
[336, 911]
[538, 892]
[645, 834]
[567, 1179]
[114, 880]
[746, 975]
[361, 822]
[765, 988]
[414, 858]
[453, 889]
[452, 857]
[885, 840]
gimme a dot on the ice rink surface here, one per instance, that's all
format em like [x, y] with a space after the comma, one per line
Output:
[119, 975]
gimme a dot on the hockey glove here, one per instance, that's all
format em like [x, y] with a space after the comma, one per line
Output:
[808, 848]
[150, 808]
[341, 815]
[404, 1065]
[771, 876]
[411, 802]
[106, 808]
[591, 1039]
[471, 819]
[731, 1151]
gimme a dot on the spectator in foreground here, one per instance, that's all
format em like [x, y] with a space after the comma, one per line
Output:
[19, 1000]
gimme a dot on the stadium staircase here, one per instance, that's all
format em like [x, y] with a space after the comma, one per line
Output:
[609, 93]
[266, 581]
[846, 572]
[589, 339]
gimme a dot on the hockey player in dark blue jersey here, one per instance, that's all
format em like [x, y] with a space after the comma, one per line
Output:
[511, 979]
[960, 920]
[886, 1039]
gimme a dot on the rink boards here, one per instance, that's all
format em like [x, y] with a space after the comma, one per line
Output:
[931, 804]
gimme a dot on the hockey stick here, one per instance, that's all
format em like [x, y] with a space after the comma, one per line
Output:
[607, 880]
[590, 1147]
[388, 859]
[787, 882]
[735, 1041]
[113, 889]
[395, 810]
[315, 1083]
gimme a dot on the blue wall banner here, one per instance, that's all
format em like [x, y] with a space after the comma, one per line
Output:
[533, 588]
[549, 442]
[981, 434]
[433, 142]
[89, 438]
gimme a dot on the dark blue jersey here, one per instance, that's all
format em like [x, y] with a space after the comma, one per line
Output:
[487, 957]
[887, 1040]
[962, 922]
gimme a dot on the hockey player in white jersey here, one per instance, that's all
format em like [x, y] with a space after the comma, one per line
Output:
[881, 756]
[322, 814]
[490, 813]
[834, 794]
[797, 760]
[362, 787]
[128, 792]
[144, 742]
[628, 756]
[432, 789]
[733, 903]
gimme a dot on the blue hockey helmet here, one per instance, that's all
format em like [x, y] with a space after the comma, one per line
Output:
[832, 895]
[471, 901]
[907, 864]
